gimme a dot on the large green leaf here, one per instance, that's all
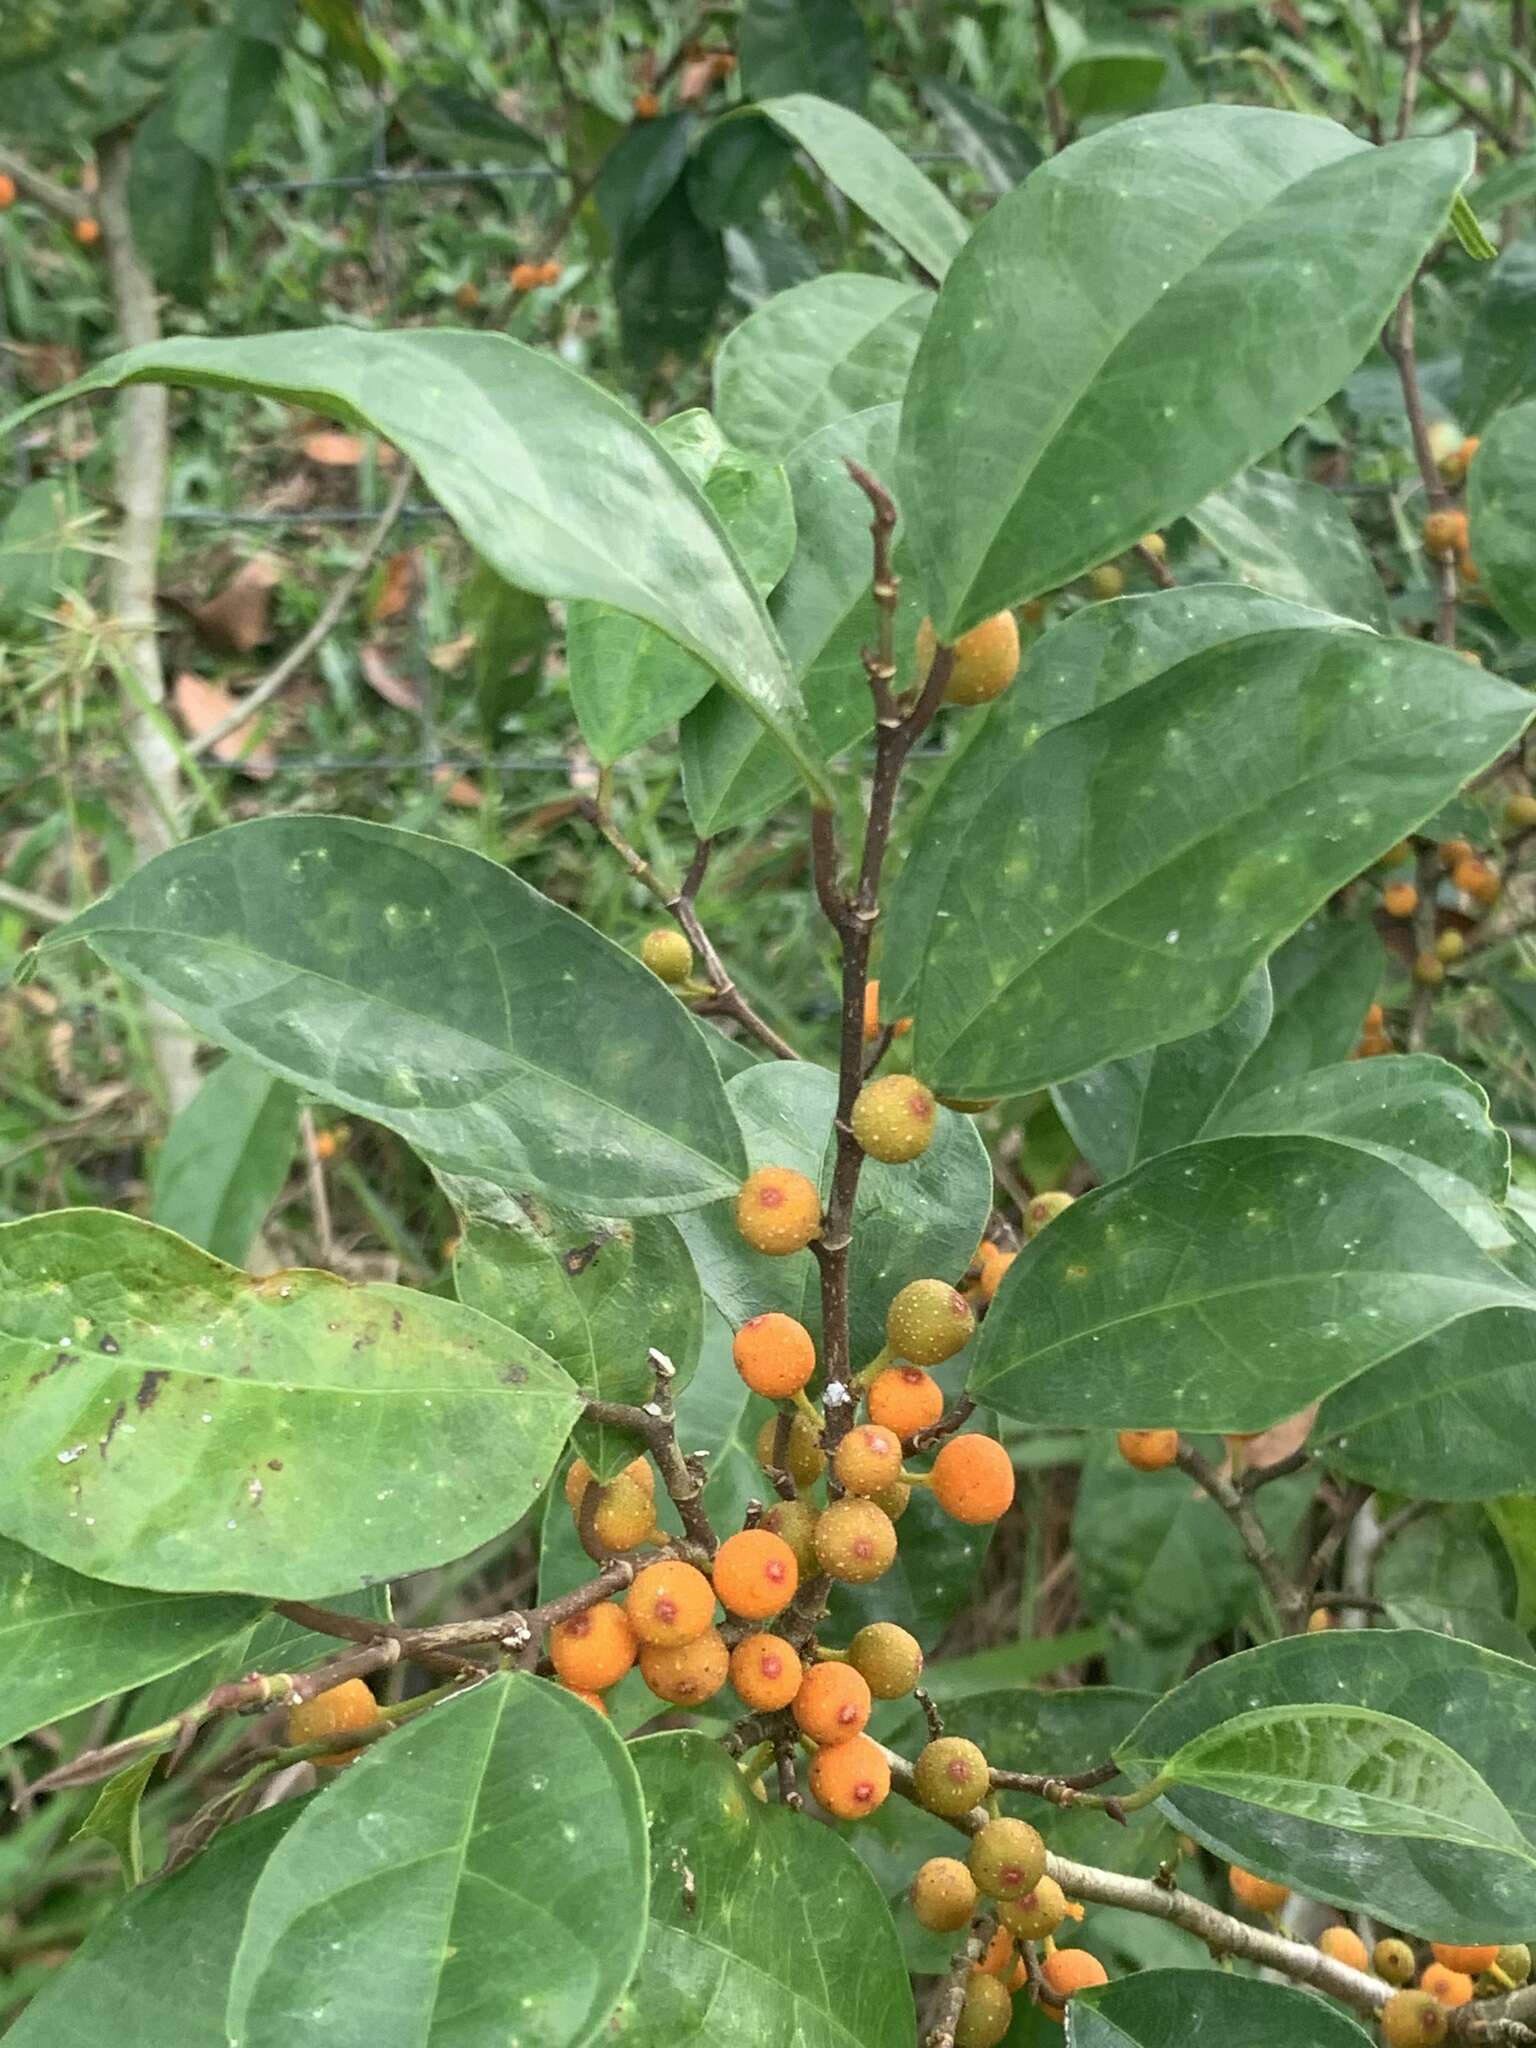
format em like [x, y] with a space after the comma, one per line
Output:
[595, 1294]
[996, 148]
[1498, 358]
[68, 1641]
[225, 1157]
[478, 1877]
[1092, 658]
[1323, 979]
[501, 434]
[1481, 1706]
[629, 680]
[812, 46]
[1502, 508]
[173, 206]
[181, 1932]
[167, 1421]
[1351, 1768]
[1084, 379]
[834, 346]
[1447, 1570]
[1294, 540]
[424, 986]
[871, 171]
[1153, 2009]
[825, 612]
[1451, 1418]
[1132, 1109]
[1225, 1286]
[764, 1927]
[1420, 1114]
[909, 1221]
[1115, 884]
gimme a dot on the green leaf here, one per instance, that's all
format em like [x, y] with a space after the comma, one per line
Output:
[669, 278]
[594, 1294]
[1469, 231]
[629, 681]
[225, 1158]
[454, 127]
[764, 1926]
[36, 561]
[417, 983]
[1132, 1109]
[173, 204]
[1498, 359]
[804, 46]
[1152, 2009]
[346, 34]
[1077, 915]
[485, 1868]
[166, 1421]
[68, 1641]
[1350, 1768]
[1448, 1419]
[1110, 78]
[222, 90]
[1224, 1286]
[114, 1818]
[837, 345]
[1324, 978]
[1420, 1114]
[824, 610]
[1501, 500]
[1446, 1570]
[998, 150]
[1069, 334]
[1480, 1705]
[646, 543]
[732, 172]
[871, 171]
[909, 1221]
[1294, 540]
[181, 1932]
[101, 79]
[1514, 1517]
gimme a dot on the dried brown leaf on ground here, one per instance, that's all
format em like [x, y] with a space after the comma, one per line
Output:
[201, 705]
[397, 586]
[384, 682]
[334, 450]
[238, 618]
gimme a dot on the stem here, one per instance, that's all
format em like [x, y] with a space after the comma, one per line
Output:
[58, 199]
[1290, 1601]
[656, 1426]
[948, 2005]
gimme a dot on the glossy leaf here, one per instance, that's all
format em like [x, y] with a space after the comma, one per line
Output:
[646, 543]
[1084, 380]
[1448, 1419]
[1152, 2009]
[1078, 916]
[628, 680]
[484, 1867]
[596, 1295]
[114, 1817]
[180, 1932]
[1501, 496]
[782, 1934]
[1323, 980]
[1421, 1115]
[1092, 658]
[996, 148]
[1479, 1705]
[814, 354]
[825, 612]
[1132, 1109]
[168, 1422]
[1294, 540]
[68, 1641]
[1498, 361]
[1225, 1286]
[1350, 1768]
[225, 1158]
[909, 1221]
[1448, 1571]
[810, 46]
[870, 170]
[417, 983]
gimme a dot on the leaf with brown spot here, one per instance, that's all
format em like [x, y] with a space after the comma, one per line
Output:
[239, 618]
[202, 705]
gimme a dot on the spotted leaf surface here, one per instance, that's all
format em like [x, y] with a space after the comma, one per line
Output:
[426, 987]
[1225, 1286]
[169, 1422]
[764, 1926]
[1087, 375]
[1116, 883]
[1153, 2008]
[476, 1880]
[1433, 1882]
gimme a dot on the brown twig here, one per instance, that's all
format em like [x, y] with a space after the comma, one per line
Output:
[655, 1425]
[956, 1418]
[1289, 1599]
[58, 199]
[950, 2000]
[1156, 567]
